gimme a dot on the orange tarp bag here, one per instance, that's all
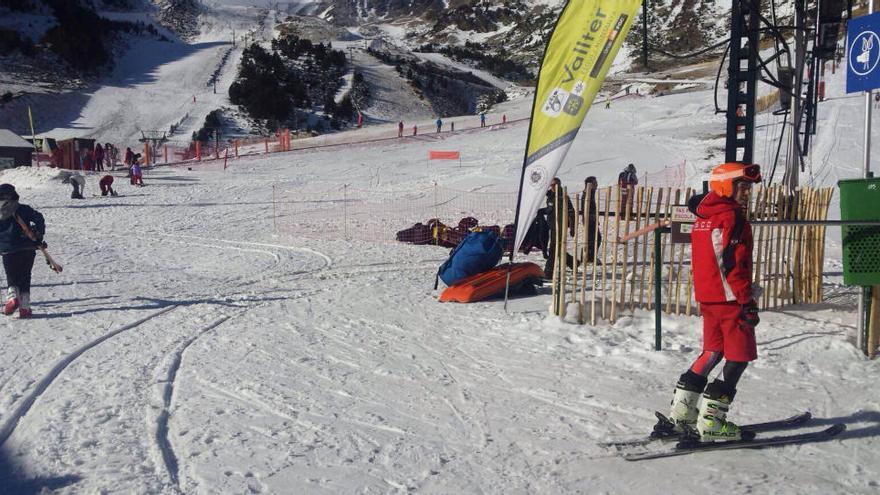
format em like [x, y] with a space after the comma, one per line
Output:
[523, 276]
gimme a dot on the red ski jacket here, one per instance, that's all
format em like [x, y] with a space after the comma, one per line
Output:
[721, 245]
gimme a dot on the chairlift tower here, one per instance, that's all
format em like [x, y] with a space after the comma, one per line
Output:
[742, 78]
[154, 139]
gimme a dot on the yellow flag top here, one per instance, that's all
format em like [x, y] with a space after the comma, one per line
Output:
[584, 42]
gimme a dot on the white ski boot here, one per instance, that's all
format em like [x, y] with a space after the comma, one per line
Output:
[685, 401]
[712, 424]
[684, 409]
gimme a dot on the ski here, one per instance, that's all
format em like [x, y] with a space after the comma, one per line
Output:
[690, 447]
[663, 431]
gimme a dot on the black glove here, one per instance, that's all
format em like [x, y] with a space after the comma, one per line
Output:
[748, 315]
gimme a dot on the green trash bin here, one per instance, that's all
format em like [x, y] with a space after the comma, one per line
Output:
[860, 200]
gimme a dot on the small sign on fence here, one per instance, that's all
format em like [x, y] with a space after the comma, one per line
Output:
[682, 224]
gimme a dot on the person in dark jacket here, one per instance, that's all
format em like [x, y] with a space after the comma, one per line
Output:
[627, 180]
[554, 223]
[18, 249]
[592, 231]
[129, 157]
[99, 157]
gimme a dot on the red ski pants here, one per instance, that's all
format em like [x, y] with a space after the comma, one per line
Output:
[722, 332]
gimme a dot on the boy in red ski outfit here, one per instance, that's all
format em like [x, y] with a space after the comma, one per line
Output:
[721, 245]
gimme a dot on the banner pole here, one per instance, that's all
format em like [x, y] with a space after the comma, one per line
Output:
[522, 176]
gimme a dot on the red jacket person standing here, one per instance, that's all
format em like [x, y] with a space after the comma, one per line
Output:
[721, 244]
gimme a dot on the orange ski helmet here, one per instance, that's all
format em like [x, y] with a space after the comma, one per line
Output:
[725, 176]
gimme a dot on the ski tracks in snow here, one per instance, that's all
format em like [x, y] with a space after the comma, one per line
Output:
[99, 386]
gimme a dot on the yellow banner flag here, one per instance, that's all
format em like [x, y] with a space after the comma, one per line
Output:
[582, 47]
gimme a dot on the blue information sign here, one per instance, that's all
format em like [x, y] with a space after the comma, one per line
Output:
[863, 53]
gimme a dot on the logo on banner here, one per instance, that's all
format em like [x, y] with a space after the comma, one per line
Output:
[555, 102]
[536, 177]
[574, 104]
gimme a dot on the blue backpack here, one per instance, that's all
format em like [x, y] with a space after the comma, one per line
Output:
[476, 253]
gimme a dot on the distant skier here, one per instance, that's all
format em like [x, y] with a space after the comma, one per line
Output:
[109, 156]
[627, 180]
[721, 243]
[439, 124]
[400, 129]
[483, 119]
[129, 158]
[452, 127]
[86, 162]
[77, 182]
[99, 157]
[136, 173]
[106, 185]
[415, 130]
[18, 249]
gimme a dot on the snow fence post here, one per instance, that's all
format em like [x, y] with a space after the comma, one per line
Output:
[198, 151]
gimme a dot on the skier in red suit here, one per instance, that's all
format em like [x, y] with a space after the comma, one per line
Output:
[721, 245]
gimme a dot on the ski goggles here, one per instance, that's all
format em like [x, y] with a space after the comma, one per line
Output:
[751, 173]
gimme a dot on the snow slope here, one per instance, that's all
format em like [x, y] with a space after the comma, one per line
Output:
[153, 85]
[186, 347]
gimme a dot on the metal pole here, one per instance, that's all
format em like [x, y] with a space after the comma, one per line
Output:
[657, 273]
[860, 334]
[645, 34]
[792, 169]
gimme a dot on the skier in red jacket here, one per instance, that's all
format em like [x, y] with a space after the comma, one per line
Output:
[721, 245]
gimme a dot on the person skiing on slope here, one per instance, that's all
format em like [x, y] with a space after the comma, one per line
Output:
[721, 244]
[18, 250]
[136, 173]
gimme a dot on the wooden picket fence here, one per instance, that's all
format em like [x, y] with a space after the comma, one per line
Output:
[788, 259]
